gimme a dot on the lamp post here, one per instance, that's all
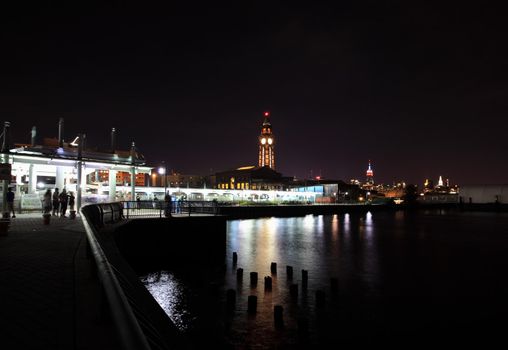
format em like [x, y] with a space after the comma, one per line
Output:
[162, 171]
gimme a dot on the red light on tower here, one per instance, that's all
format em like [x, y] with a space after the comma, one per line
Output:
[267, 114]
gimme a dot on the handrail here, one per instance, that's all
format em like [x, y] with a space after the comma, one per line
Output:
[128, 328]
[132, 209]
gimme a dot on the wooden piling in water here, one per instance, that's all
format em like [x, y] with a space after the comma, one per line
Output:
[305, 278]
[252, 304]
[268, 283]
[293, 290]
[239, 274]
[273, 268]
[253, 279]
[289, 272]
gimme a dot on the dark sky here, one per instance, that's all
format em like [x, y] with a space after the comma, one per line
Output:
[419, 89]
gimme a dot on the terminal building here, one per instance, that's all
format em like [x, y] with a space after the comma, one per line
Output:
[114, 174]
[251, 178]
[56, 163]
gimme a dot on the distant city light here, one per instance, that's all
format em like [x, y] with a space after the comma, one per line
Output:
[162, 170]
[267, 114]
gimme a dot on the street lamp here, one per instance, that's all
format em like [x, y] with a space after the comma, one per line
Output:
[162, 171]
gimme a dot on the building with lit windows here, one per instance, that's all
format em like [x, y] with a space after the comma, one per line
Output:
[122, 178]
[266, 155]
[251, 178]
[175, 179]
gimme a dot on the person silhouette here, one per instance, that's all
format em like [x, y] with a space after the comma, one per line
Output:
[10, 203]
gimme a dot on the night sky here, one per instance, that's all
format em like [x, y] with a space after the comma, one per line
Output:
[419, 89]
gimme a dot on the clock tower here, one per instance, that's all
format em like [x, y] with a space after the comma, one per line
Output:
[266, 144]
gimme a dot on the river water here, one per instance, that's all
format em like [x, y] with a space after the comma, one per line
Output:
[403, 278]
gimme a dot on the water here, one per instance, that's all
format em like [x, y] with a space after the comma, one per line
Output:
[401, 276]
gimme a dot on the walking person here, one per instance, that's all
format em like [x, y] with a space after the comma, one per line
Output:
[56, 202]
[179, 205]
[167, 209]
[72, 214]
[71, 201]
[46, 202]
[63, 202]
[10, 202]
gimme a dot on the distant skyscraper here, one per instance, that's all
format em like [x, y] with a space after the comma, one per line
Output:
[266, 144]
[440, 181]
[370, 175]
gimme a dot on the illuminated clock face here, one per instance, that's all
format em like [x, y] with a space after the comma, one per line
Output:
[270, 141]
[263, 141]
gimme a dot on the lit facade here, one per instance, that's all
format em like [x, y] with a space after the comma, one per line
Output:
[122, 177]
[251, 178]
[266, 155]
[56, 163]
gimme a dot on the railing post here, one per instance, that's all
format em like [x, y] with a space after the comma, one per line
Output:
[189, 206]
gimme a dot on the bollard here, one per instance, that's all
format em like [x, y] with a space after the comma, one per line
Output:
[305, 278]
[235, 258]
[231, 298]
[252, 304]
[268, 283]
[72, 214]
[273, 268]
[293, 291]
[289, 272]
[320, 299]
[277, 316]
[239, 274]
[46, 218]
[253, 279]
[334, 286]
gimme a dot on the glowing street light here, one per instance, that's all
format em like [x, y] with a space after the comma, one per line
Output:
[162, 171]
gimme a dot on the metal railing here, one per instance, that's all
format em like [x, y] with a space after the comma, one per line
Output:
[133, 209]
[134, 329]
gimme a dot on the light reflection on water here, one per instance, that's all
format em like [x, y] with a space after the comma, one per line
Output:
[384, 262]
[172, 295]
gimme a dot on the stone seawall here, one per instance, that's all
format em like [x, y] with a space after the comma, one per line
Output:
[172, 242]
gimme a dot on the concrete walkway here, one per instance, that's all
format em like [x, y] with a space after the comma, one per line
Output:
[49, 297]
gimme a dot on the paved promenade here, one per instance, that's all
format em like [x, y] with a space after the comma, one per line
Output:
[49, 298]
